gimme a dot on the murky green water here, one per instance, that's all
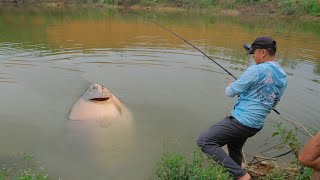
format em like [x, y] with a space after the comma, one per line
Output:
[48, 59]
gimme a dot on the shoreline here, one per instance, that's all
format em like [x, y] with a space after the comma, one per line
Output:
[263, 9]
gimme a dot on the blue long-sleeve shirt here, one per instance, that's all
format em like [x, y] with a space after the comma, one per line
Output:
[260, 88]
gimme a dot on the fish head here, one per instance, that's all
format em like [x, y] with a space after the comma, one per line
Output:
[97, 93]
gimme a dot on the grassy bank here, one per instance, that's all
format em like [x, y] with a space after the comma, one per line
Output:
[176, 165]
[262, 7]
[23, 169]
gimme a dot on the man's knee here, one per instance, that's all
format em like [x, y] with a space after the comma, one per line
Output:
[200, 141]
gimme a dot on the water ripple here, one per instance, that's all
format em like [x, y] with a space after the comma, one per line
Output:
[129, 63]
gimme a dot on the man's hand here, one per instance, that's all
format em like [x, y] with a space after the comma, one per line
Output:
[229, 83]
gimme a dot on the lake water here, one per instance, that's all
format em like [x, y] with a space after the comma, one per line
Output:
[49, 58]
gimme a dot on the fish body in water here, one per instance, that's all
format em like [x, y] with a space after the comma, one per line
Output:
[98, 104]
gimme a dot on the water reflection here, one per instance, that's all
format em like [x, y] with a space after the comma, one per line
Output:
[87, 30]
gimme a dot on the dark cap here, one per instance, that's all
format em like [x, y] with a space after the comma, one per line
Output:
[262, 42]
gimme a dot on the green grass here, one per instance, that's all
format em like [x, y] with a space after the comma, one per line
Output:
[176, 166]
[202, 4]
[287, 7]
[26, 170]
[300, 7]
[282, 174]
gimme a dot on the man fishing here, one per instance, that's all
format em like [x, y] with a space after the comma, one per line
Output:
[259, 89]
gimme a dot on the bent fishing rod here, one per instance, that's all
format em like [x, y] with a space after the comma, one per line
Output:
[196, 49]
[294, 122]
[202, 53]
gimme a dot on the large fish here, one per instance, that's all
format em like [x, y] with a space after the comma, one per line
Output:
[101, 146]
[98, 104]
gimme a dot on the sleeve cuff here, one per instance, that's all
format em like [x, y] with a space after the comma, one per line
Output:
[229, 92]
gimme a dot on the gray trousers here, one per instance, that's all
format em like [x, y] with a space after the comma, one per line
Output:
[228, 132]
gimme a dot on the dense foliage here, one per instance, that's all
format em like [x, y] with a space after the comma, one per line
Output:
[287, 7]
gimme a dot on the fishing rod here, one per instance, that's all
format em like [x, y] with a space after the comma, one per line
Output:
[292, 121]
[203, 54]
[197, 49]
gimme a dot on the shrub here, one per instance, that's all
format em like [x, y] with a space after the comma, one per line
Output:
[314, 7]
[298, 7]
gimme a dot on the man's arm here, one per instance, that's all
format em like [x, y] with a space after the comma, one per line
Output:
[229, 92]
[243, 83]
[310, 154]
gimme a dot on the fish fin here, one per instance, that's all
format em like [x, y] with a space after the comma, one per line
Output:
[117, 103]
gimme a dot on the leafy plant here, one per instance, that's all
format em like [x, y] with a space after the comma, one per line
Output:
[27, 172]
[304, 173]
[298, 7]
[314, 7]
[289, 137]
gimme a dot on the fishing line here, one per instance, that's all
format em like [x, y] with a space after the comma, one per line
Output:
[294, 122]
[202, 53]
[197, 49]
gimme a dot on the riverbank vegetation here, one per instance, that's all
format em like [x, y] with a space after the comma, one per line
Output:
[24, 169]
[262, 7]
[176, 165]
